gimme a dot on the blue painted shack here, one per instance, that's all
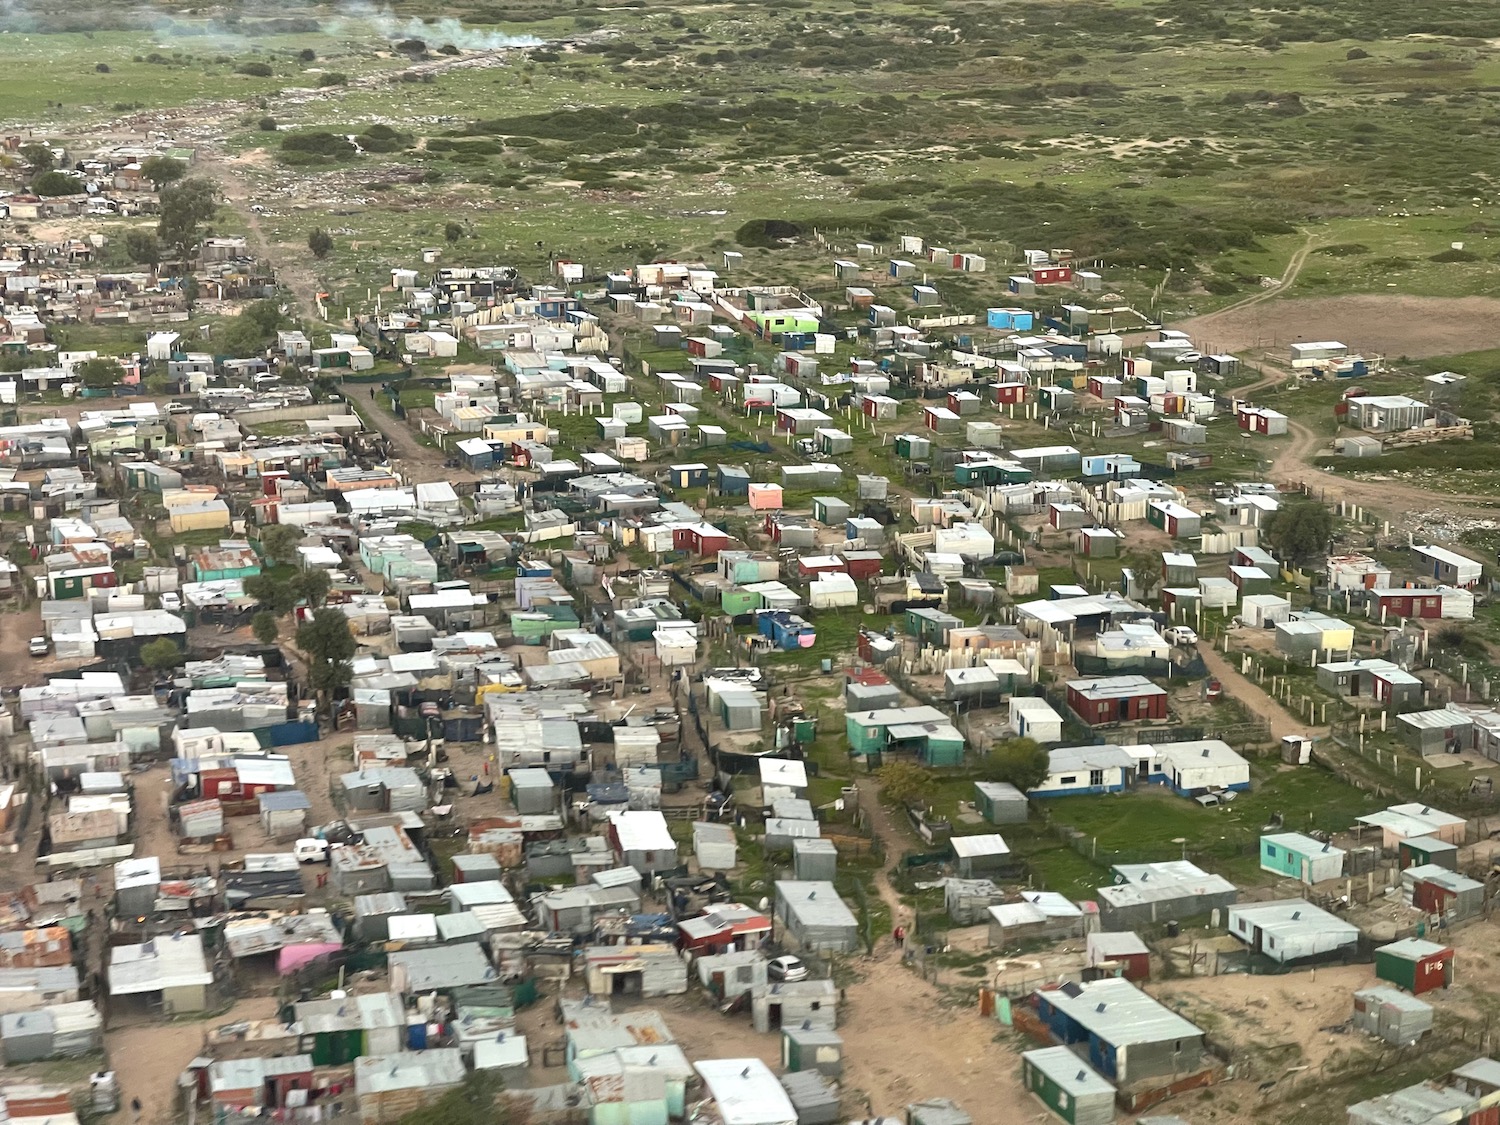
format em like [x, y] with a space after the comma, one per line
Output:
[787, 631]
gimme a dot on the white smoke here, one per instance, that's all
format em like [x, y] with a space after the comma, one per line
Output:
[437, 33]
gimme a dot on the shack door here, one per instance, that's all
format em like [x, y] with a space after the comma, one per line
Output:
[1490, 1115]
[1429, 898]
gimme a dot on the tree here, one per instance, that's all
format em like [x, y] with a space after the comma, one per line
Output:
[320, 242]
[312, 586]
[56, 183]
[161, 654]
[905, 782]
[99, 373]
[1145, 565]
[189, 292]
[275, 594]
[329, 648]
[184, 206]
[264, 626]
[453, 232]
[251, 331]
[1299, 529]
[163, 170]
[476, 1102]
[39, 158]
[278, 543]
[1019, 761]
[142, 246]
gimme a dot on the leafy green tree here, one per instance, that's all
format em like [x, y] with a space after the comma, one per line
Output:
[320, 242]
[252, 331]
[163, 170]
[278, 542]
[100, 373]
[906, 782]
[184, 206]
[275, 594]
[264, 626]
[1299, 529]
[56, 183]
[329, 648]
[476, 1102]
[190, 291]
[1020, 761]
[312, 586]
[142, 246]
[39, 158]
[1145, 564]
[161, 654]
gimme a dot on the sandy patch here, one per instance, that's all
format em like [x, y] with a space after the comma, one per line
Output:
[1371, 324]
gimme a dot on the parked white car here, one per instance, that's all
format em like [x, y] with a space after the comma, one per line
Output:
[1180, 635]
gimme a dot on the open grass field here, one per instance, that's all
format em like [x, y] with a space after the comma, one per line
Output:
[1155, 824]
[1189, 151]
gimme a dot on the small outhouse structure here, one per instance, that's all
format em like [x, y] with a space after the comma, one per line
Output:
[1391, 1015]
[1000, 802]
[1416, 965]
[1068, 1086]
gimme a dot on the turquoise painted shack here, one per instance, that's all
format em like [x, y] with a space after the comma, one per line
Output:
[931, 626]
[923, 731]
[644, 1085]
[1300, 857]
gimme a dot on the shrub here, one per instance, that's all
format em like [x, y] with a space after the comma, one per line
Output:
[332, 78]
[268, 124]
[255, 69]
[316, 146]
[101, 68]
[1455, 256]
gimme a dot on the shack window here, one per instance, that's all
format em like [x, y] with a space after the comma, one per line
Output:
[1096, 777]
[1271, 850]
[1071, 779]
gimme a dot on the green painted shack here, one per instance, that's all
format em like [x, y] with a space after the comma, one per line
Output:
[1068, 1086]
[534, 626]
[1415, 965]
[345, 1029]
[931, 626]
[812, 1049]
[737, 602]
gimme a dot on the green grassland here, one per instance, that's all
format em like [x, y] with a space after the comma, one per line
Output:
[1188, 150]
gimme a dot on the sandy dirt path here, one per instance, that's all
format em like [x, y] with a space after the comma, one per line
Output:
[147, 1059]
[905, 1040]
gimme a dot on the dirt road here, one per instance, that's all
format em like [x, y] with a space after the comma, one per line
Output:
[147, 1059]
[1255, 699]
[1288, 277]
[417, 463]
[905, 1040]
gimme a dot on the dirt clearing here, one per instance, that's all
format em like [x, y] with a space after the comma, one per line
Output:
[1371, 324]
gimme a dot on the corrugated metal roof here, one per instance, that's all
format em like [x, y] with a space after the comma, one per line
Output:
[1071, 1074]
[439, 1067]
[989, 843]
[1120, 1014]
